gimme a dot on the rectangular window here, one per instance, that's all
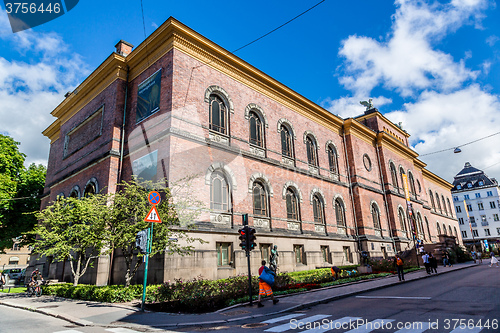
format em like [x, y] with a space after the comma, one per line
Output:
[474, 233]
[265, 252]
[480, 206]
[299, 254]
[148, 96]
[455, 198]
[325, 253]
[498, 231]
[478, 195]
[464, 234]
[461, 220]
[492, 204]
[347, 254]
[472, 219]
[495, 217]
[469, 208]
[466, 197]
[490, 193]
[224, 253]
[487, 232]
[458, 209]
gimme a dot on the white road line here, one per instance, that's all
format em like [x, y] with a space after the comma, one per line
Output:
[372, 325]
[282, 318]
[332, 325]
[295, 324]
[467, 330]
[416, 327]
[120, 330]
[69, 331]
[395, 297]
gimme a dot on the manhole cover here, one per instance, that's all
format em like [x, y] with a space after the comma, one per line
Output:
[48, 306]
[235, 313]
[254, 325]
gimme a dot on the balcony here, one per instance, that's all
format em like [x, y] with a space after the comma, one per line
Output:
[473, 224]
[484, 223]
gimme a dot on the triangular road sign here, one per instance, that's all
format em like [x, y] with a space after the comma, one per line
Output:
[153, 216]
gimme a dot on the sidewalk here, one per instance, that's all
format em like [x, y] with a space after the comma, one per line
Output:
[85, 313]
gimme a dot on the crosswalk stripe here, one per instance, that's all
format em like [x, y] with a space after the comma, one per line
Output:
[121, 330]
[467, 330]
[69, 331]
[282, 318]
[416, 327]
[332, 325]
[369, 327]
[289, 326]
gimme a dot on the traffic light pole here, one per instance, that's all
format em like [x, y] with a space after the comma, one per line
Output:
[150, 244]
[249, 278]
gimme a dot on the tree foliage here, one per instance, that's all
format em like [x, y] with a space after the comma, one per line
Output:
[20, 190]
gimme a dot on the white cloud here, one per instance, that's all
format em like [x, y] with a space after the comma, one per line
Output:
[491, 40]
[30, 91]
[347, 106]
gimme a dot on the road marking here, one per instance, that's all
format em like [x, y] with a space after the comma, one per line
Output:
[294, 325]
[69, 331]
[332, 325]
[395, 297]
[371, 326]
[416, 327]
[120, 330]
[282, 318]
[467, 330]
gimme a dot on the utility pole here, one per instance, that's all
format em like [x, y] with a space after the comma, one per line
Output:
[247, 238]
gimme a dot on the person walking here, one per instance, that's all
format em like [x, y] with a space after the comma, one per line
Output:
[433, 263]
[266, 280]
[473, 255]
[425, 259]
[446, 259]
[494, 260]
[398, 262]
[480, 257]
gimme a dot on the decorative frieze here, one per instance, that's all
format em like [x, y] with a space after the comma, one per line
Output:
[220, 218]
[216, 137]
[257, 151]
[261, 223]
[319, 228]
[313, 170]
[294, 226]
[287, 161]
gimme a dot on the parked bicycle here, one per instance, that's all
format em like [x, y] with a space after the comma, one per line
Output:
[35, 288]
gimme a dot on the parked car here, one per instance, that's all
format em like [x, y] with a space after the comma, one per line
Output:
[13, 273]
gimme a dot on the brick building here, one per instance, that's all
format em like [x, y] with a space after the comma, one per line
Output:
[320, 187]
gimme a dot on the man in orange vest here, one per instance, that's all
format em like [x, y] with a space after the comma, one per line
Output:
[398, 262]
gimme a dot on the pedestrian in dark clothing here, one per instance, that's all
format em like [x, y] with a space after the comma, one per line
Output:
[433, 263]
[398, 262]
[446, 259]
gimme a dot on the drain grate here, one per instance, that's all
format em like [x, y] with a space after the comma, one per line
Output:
[254, 325]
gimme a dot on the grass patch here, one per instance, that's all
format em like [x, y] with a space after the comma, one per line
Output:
[16, 290]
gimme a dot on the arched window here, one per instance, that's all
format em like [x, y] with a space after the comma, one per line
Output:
[259, 200]
[402, 220]
[438, 228]
[449, 207]
[428, 229]
[220, 198]
[218, 114]
[286, 142]
[312, 151]
[256, 129]
[449, 230]
[456, 234]
[292, 205]
[91, 187]
[340, 213]
[401, 173]
[318, 209]
[375, 216]
[432, 200]
[438, 203]
[394, 176]
[412, 183]
[444, 205]
[444, 229]
[75, 192]
[333, 159]
[420, 225]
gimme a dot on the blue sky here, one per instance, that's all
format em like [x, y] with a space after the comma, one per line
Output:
[432, 65]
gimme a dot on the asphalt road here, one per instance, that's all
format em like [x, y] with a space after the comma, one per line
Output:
[469, 297]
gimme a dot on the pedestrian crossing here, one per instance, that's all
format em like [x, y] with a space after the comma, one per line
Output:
[322, 323]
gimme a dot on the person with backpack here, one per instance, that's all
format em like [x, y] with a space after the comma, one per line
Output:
[266, 280]
[398, 262]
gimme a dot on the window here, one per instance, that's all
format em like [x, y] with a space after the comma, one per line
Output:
[412, 183]
[461, 220]
[333, 159]
[444, 229]
[438, 228]
[256, 130]
[459, 187]
[219, 192]
[259, 199]
[394, 176]
[91, 187]
[464, 234]
[428, 229]
[459, 209]
[483, 218]
[469, 208]
[466, 197]
[75, 192]
[367, 162]
[286, 142]
[495, 217]
[325, 254]
[449, 230]
[265, 252]
[480, 206]
[478, 195]
[375, 216]
[16, 247]
[472, 220]
[474, 233]
[498, 231]
[401, 173]
[492, 204]
[299, 254]
[218, 114]
[402, 220]
[481, 183]
[469, 185]
[224, 251]
[438, 203]
[444, 205]
[318, 210]
[456, 234]
[312, 153]
[292, 206]
[340, 212]
[489, 193]
[347, 253]
[420, 225]
[455, 198]
[487, 232]
[449, 206]
[432, 200]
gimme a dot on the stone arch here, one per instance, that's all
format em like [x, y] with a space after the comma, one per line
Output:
[295, 187]
[258, 110]
[376, 204]
[331, 143]
[340, 197]
[287, 123]
[76, 189]
[320, 193]
[225, 170]
[260, 176]
[310, 133]
[219, 91]
[94, 182]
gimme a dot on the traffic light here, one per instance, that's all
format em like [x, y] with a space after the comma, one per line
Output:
[141, 241]
[244, 219]
[251, 239]
[244, 237]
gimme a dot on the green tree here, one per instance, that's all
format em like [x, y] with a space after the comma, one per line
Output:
[20, 191]
[73, 229]
[130, 207]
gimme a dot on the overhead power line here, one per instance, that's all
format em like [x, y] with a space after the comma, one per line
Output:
[465, 144]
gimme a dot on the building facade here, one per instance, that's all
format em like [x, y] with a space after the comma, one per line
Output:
[477, 205]
[320, 187]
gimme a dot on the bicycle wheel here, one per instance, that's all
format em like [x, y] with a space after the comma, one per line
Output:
[38, 291]
[29, 291]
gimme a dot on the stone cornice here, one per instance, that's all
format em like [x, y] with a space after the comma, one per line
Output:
[353, 127]
[379, 115]
[436, 179]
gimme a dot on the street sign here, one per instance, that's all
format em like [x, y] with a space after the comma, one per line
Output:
[154, 198]
[153, 216]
